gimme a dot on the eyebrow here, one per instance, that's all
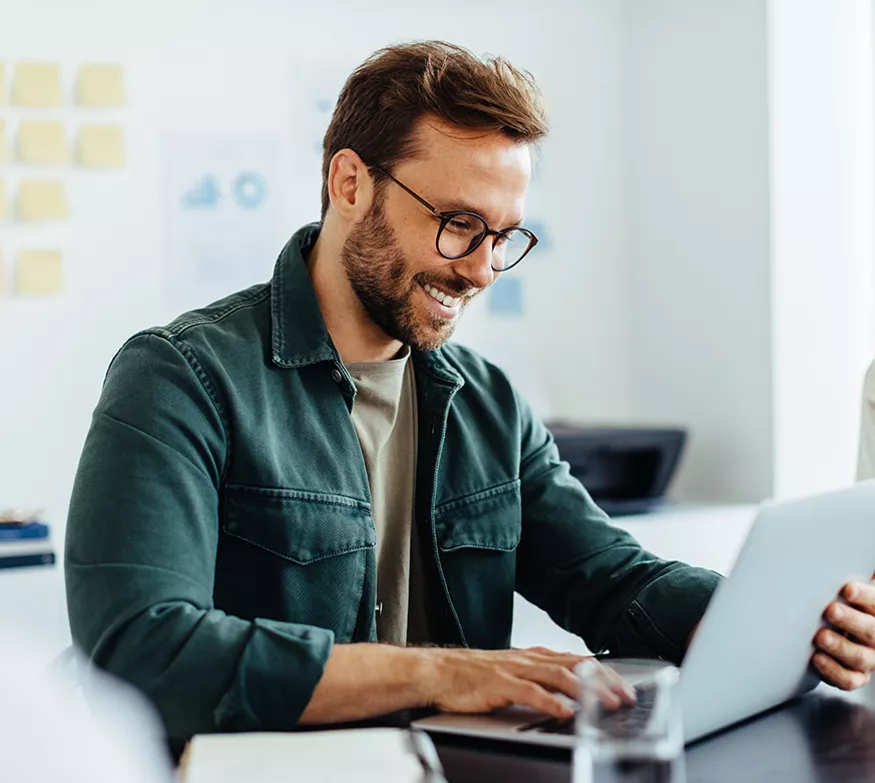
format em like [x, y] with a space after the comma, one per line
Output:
[463, 206]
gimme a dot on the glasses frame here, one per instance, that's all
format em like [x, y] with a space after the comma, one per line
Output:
[446, 217]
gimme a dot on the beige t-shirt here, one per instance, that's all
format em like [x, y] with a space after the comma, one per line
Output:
[384, 416]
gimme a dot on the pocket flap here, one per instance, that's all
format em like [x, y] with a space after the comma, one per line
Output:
[491, 519]
[299, 526]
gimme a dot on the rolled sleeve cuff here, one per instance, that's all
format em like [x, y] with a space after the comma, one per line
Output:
[278, 672]
[663, 615]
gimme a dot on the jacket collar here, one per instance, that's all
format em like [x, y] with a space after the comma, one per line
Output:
[300, 336]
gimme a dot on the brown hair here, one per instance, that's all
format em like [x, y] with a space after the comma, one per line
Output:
[389, 92]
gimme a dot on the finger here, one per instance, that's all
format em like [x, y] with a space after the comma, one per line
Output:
[530, 694]
[836, 674]
[550, 676]
[849, 653]
[860, 594]
[623, 689]
[860, 624]
[610, 687]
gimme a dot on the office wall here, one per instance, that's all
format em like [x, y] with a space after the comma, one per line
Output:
[822, 207]
[697, 220]
[232, 67]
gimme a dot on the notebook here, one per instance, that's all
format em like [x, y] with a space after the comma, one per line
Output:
[362, 755]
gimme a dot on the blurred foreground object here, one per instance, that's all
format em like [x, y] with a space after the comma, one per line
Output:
[866, 463]
[49, 732]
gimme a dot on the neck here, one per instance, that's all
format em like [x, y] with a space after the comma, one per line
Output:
[356, 337]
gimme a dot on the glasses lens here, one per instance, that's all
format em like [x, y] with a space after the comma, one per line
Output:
[509, 249]
[460, 234]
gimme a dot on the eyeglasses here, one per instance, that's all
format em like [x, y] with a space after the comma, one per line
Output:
[461, 233]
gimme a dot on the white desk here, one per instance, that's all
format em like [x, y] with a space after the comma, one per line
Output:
[33, 604]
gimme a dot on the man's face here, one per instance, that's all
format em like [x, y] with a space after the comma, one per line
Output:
[390, 256]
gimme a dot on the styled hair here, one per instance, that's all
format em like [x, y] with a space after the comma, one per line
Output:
[385, 97]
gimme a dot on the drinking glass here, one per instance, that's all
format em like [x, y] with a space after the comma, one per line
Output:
[629, 743]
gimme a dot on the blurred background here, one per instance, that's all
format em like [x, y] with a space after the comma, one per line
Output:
[705, 201]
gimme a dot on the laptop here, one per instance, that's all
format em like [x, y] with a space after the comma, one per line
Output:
[752, 649]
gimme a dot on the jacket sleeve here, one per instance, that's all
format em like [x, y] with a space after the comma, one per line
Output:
[592, 578]
[141, 551]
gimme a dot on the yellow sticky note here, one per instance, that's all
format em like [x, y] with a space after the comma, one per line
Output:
[101, 147]
[4, 207]
[3, 98]
[43, 143]
[42, 200]
[3, 154]
[36, 84]
[100, 86]
[39, 273]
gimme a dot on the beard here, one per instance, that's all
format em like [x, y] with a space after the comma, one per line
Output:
[378, 272]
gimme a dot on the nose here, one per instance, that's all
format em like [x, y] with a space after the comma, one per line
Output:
[476, 267]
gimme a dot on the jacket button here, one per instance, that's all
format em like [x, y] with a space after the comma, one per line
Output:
[336, 375]
[378, 609]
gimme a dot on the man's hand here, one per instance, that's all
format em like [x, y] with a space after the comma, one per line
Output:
[484, 680]
[847, 659]
[366, 680]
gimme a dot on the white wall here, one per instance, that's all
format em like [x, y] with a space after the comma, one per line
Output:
[238, 67]
[823, 266]
[697, 225]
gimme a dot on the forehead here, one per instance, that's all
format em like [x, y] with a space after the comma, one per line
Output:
[482, 167]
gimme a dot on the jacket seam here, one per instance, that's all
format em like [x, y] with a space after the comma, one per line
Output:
[308, 496]
[297, 561]
[652, 625]
[503, 488]
[186, 352]
[230, 309]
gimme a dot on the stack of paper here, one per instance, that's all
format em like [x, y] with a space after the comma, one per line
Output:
[360, 755]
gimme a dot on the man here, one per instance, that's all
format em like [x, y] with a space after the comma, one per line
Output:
[275, 483]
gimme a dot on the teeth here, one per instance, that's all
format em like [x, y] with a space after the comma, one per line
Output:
[445, 299]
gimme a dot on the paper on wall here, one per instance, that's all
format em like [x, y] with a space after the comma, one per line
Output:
[101, 147]
[4, 204]
[4, 155]
[221, 200]
[37, 84]
[43, 143]
[39, 273]
[100, 86]
[42, 200]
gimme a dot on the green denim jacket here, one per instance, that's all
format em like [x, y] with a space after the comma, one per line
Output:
[220, 538]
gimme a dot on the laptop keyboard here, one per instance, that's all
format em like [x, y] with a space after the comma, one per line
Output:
[626, 722]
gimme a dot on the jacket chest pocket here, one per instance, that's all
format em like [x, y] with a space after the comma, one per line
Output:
[477, 539]
[294, 556]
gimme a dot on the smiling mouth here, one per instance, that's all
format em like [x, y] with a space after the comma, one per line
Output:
[448, 301]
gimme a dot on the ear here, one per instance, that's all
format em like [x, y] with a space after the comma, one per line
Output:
[350, 185]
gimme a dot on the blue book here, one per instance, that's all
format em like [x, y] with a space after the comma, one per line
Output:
[27, 530]
[22, 561]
